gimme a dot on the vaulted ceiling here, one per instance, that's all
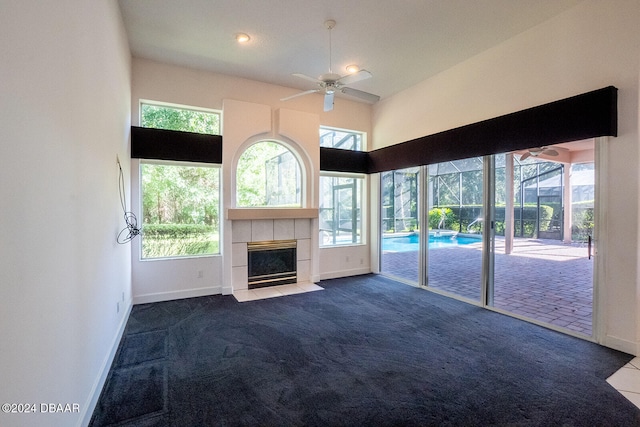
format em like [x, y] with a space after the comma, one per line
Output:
[401, 42]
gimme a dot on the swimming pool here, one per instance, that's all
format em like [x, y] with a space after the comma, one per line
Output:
[411, 243]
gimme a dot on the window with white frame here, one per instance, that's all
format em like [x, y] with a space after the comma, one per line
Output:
[180, 209]
[179, 117]
[341, 209]
[342, 138]
[268, 174]
[180, 201]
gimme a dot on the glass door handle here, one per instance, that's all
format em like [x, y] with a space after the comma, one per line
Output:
[589, 245]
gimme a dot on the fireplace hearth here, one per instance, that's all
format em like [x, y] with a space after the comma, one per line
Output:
[271, 263]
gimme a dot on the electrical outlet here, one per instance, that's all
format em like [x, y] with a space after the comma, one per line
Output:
[347, 258]
[200, 274]
[361, 261]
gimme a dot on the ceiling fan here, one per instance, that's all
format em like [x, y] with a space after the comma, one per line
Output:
[547, 151]
[330, 82]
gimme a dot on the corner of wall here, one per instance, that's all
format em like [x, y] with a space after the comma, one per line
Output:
[92, 400]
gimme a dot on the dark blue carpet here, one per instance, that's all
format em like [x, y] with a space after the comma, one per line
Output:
[366, 351]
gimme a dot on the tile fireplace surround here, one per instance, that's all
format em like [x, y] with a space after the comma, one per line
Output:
[258, 230]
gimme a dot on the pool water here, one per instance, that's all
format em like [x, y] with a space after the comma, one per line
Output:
[411, 242]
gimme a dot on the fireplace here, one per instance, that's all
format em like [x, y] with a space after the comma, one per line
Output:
[271, 263]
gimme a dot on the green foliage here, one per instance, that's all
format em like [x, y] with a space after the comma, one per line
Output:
[529, 225]
[180, 204]
[160, 117]
[176, 231]
[583, 223]
[180, 210]
[463, 218]
[267, 175]
[399, 200]
[442, 218]
[170, 240]
[547, 214]
[180, 194]
[458, 218]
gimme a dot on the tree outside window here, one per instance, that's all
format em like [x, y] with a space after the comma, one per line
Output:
[268, 175]
[180, 202]
[180, 208]
[179, 118]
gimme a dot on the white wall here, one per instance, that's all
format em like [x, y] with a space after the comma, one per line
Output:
[593, 45]
[244, 124]
[344, 261]
[65, 115]
[250, 110]
[169, 83]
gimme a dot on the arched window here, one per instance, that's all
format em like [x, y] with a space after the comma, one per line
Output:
[268, 175]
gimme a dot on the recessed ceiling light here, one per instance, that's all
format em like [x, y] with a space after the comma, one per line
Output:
[352, 68]
[242, 38]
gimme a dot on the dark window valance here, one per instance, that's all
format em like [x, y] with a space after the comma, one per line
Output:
[584, 116]
[589, 115]
[339, 160]
[162, 144]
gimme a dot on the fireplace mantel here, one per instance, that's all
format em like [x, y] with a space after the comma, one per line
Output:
[271, 213]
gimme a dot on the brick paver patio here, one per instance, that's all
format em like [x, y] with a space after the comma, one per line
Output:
[543, 280]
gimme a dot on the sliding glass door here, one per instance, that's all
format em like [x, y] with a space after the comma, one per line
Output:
[544, 223]
[456, 225]
[510, 231]
[400, 224]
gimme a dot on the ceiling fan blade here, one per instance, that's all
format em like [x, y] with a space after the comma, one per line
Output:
[328, 101]
[305, 77]
[525, 155]
[307, 92]
[369, 97]
[550, 152]
[355, 77]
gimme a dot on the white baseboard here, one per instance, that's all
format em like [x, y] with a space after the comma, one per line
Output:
[96, 390]
[344, 273]
[172, 295]
[621, 345]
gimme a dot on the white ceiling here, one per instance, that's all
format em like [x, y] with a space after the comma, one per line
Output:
[401, 42]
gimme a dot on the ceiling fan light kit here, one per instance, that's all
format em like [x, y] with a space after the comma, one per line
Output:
[330, 82]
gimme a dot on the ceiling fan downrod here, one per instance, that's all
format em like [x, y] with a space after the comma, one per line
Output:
[329, 24]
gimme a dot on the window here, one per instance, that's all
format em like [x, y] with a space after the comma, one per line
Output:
[182, 118]
[340, 210]
[344, 139]
[180, 210]
[268, 175]
[180, 201]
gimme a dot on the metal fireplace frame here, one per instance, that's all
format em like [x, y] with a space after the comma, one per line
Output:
[277, 276]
